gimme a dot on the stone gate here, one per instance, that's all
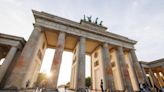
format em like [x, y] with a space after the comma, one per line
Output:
[113, 58]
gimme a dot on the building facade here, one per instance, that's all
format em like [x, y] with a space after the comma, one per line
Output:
[113, 58]
[10, 50]
[154, 72]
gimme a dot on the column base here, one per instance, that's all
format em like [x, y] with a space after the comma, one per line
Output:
[81, 90]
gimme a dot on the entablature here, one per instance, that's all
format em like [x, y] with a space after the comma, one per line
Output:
[60, 24]
[12, 41]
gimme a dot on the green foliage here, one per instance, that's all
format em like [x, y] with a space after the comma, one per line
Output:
[88, 82]
[42, 80]
[67, 85]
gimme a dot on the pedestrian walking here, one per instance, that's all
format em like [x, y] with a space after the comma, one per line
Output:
[101, 85]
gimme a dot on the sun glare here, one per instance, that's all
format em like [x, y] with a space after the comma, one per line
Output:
[48, 74]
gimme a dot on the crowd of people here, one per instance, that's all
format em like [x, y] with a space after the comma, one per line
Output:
[143, 88]
[146, 88]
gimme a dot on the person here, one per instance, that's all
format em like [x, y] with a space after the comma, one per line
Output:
[101, 85]
[141, 87]
[65, 88]
[86, 89]
[40, 90]
[27, 83]
[157, 90]
[37, 89]
[148, 88]
[161, 89]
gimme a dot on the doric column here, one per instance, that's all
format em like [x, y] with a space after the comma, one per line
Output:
[124, 71]
[132, 72]
[57, 59]
[137, 67]
[22, 71]
[107, 68]
[81, 65]
[9, 58]
[118, 80]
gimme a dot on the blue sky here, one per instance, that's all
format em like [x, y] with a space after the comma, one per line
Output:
[141, 20]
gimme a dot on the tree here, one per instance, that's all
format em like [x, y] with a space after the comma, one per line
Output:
[42, 80]
[88, 82]
[67, 85]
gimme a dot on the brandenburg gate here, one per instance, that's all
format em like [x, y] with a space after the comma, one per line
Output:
[113, 58]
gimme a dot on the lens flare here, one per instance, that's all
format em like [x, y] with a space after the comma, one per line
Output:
[49, 74]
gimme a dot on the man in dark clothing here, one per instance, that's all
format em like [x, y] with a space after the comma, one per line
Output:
[101, 85]
[157, 89]
[27, 83]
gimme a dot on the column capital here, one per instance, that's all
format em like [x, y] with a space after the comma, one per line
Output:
[120, 48]
[38, 27]
[132, 50]
[82, 38]
[62, 34]
[105, 45]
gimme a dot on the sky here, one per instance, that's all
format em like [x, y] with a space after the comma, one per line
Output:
[140, 20]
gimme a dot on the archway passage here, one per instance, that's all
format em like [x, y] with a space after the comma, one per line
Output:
[65, 68]
[47, 60]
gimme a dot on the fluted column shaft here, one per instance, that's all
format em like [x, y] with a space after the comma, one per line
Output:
[57, 59]
[133, 74]
[81, 66]
[22, 70]
[7, 62]
[140, 75]
[107, 67]
[124, 71]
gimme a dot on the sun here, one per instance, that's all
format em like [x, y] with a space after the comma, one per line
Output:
[48, 74]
